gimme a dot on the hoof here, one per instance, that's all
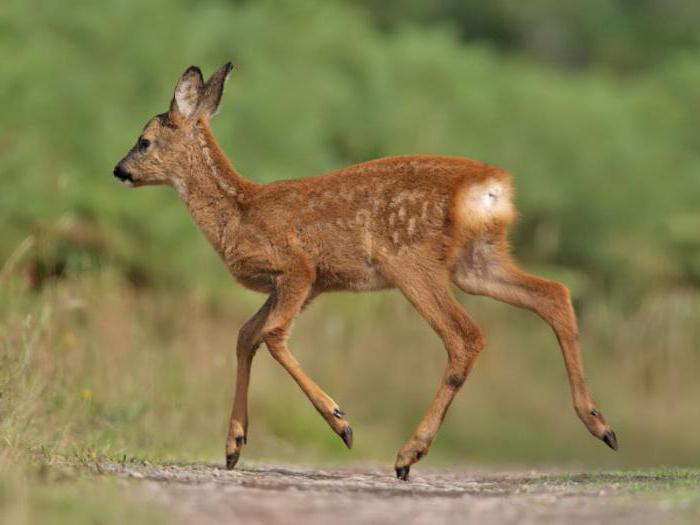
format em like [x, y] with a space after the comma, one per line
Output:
[231, 460]
[402, 472]
[610, 439]
[346, 435]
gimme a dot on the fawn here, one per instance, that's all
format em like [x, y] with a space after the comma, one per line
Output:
[416, 223]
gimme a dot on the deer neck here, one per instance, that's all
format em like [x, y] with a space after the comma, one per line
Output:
[213, 192]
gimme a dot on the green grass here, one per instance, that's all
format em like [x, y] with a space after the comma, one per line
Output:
[662, 480]
[60, 491]
[667, 487]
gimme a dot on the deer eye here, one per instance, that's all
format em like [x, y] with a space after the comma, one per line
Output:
[144, 144]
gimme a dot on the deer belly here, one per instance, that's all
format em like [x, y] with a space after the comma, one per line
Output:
[352, 275]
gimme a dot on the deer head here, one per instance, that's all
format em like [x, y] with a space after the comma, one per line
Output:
[166, 148]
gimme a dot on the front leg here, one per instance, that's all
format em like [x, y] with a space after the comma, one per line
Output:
[249, 338]
[271, 324]
[292, 292]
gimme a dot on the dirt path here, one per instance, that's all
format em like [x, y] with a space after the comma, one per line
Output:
[208, 494]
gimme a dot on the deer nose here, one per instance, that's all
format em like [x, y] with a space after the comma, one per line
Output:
[122, 174]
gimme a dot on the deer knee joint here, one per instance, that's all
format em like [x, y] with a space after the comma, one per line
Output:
[275, 337]
[456, 380]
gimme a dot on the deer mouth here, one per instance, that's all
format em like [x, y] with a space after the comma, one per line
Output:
[123, 176]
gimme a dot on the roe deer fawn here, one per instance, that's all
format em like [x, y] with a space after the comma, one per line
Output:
[416, 223]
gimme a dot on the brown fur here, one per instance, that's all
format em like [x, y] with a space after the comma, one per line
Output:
[417, 223]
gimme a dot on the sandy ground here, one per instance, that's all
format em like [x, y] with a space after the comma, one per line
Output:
[205, 494]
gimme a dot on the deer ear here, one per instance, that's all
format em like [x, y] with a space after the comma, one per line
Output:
[187, 93]
[213, 89]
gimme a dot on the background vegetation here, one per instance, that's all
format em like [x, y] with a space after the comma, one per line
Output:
[118, 321]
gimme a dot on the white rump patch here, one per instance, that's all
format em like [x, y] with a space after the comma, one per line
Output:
[486, 201]
[490, 196]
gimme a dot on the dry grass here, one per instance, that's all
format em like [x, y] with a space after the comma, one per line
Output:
[92, 365]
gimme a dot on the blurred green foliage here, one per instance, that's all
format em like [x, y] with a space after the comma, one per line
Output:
[605, 157]
[620, 34]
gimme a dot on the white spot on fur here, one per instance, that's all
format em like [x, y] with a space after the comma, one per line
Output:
[424, 210]
[411, 226]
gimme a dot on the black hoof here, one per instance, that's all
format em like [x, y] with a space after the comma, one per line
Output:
[402, 472]
[610, 439]
[346, 435]
[231, 460]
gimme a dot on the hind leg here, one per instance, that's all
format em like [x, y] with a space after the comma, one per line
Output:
[431, 297]
[486, 269]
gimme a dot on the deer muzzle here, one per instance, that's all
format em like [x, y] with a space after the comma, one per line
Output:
[123, 175]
